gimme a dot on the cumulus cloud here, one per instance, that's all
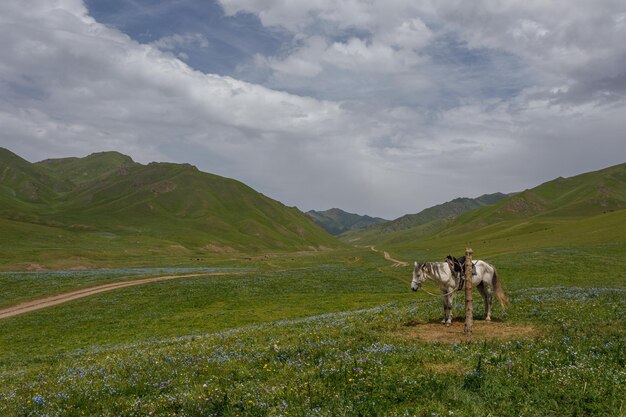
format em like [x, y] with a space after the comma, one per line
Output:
[71, 61]
[171, 42]
[376, 107]
[575, 48]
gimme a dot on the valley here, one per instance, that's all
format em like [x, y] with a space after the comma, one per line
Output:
[221, 301]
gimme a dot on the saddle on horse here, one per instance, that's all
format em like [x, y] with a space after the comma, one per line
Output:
[458, 267]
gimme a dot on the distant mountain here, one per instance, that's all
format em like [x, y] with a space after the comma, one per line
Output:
[535, 210]
[427, 220]
[169, 205]
[583, 195]
[446, 211]
[336, 221]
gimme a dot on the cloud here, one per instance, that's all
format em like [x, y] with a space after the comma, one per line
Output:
[576, 46]
[382, 108]
[177, 40]
[314, 55]
[573, 48]
[72, 60]
[409, 34]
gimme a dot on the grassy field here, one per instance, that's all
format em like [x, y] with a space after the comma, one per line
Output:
[301, 324]
[323, 335]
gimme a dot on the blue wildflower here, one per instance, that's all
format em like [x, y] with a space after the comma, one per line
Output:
[38, 400]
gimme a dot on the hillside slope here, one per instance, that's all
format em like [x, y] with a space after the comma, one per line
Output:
[446, 211]
[428, 220]
[588, 208]
[583, 195]
[108, 200]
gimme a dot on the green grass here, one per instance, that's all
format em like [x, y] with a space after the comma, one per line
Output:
[354, 363]
[314, 333]
[187, 306]
[22, 286]
[512, 237]
[325, 336]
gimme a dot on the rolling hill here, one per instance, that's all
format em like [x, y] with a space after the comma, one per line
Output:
[432, 218]
[589, 208]
[336, 221]
[446, 211]
[107, 205]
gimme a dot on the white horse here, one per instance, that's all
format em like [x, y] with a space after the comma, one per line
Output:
[448, 276]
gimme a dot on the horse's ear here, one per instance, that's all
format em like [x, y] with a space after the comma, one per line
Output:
[415, 263]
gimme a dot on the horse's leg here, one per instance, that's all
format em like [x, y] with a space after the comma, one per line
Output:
[487, 299]
[451, 303]
[447, 309]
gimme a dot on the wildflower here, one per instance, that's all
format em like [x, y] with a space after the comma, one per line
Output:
[350, 379]
[39, 400]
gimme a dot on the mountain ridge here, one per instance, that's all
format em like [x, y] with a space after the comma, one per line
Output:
[336, 221]
[162, 204]
[545, 207]
[427, 220]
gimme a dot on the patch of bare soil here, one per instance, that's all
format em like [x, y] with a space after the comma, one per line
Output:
[482, 330]
[36, 267]
[212, 247]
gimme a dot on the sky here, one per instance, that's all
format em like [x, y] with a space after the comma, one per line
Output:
[378, 107]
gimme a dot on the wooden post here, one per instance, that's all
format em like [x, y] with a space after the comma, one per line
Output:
[469, 307]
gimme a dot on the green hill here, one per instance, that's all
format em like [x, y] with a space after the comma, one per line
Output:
[336, 221]
[446, 211]
[583, 195]
[427, 220]
[107, 206]
[88, 169]
[23, 184]
[589, 208]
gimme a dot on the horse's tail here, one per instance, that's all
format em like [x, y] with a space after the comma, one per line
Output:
[497, 286]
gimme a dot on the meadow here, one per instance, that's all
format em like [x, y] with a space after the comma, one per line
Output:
[327, 334]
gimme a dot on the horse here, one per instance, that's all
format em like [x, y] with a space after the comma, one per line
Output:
[448, 276]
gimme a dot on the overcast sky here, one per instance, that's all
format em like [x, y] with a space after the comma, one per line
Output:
[379, 107]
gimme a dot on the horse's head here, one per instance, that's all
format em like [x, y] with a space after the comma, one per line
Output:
[418, 276]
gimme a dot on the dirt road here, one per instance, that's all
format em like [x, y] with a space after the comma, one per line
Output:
[45, 302]
[50, 301]
[396, 263]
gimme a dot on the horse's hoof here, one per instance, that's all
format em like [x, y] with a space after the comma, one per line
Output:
[448, 324]
[487, 318]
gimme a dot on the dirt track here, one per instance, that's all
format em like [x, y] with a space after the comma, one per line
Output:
[45, 302]
[396, 263]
